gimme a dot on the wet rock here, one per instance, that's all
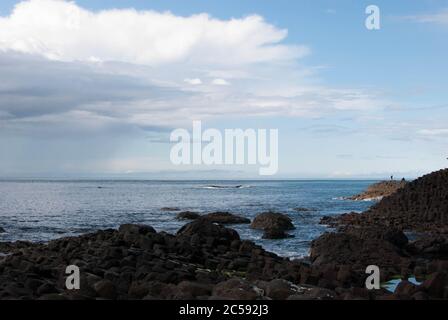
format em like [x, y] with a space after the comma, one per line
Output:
[301, 209]
[272, 220]
[105, 289]
[2, 230]
[350, 249]
[46, 288]
[420, 205]
[135, 229]
[420, 296]
[314, 293]
[405, 288]
[188, 215]
[235, 289]
[279, 289]
[379, 190]
[275, 233]
[169, 209]
[209, 231]
[53, 296]
[187, 290]
[435, 285]
[225, 218]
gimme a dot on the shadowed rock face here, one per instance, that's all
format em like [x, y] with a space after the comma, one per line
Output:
[361, 249]
[274, 233]
[376, 237]
[421, 205]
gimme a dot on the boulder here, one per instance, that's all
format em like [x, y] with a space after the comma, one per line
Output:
[279, 289]
[225, 218]
[272, 220]
[105, 289]
[435, 284]
[136, 229]
[275, 233]
[206, 229]
[187, 290]
[188, 215]
[354, 250]
[170, 209]
[405, 288]
[235, 289]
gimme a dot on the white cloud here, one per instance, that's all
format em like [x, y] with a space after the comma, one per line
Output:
[433, 132]
[193, 82]
[220, 82]
[64, 31]
[98, 78]
[438, 17]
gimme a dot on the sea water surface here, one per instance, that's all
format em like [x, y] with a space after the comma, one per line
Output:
[42, 210]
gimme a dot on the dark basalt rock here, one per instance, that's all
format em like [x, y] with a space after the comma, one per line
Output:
[420, 205]
[170, 209]
[225, 218]
[188, 215]
[236, 289]
[272, 220]
[380, 190]
[356, 250]
[301, 209]
[206, 229]
[275, 233]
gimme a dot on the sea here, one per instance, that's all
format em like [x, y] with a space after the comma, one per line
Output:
[42, 210]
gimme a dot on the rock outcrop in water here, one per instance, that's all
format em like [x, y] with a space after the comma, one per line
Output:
[379, 190]
[272, 220]
[273, 224]
[224, 218]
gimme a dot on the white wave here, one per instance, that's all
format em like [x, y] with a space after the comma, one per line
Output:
[219, 187]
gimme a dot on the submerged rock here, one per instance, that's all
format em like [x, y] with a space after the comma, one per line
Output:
[170, 209]
[301, 209]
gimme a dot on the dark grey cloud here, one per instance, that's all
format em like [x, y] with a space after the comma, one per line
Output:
[33, 87]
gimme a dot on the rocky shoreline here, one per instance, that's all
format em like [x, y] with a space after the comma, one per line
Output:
[207, 260]
[380, 190]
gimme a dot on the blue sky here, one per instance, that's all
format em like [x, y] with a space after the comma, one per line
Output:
[348, 102]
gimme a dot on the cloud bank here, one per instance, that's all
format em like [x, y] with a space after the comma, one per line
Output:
[72, 75]
[63, 31]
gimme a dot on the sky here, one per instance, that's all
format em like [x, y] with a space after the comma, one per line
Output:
[94, 88]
